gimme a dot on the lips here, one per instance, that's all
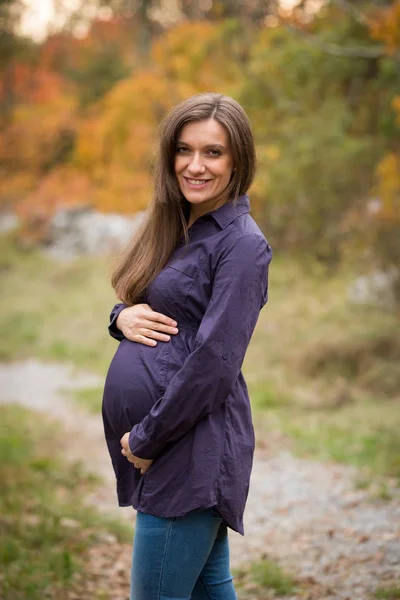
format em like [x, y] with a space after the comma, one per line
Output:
[196, 183]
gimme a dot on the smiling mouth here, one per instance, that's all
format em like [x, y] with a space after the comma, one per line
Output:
[198, 182]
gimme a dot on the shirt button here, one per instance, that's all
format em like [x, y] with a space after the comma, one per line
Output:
[225, 356]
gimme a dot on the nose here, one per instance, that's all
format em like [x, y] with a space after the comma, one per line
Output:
[196, 165]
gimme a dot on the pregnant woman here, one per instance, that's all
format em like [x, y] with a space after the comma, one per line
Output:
[176, 411]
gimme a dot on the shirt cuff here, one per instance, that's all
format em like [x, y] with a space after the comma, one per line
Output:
[140, 446]
[112, 328]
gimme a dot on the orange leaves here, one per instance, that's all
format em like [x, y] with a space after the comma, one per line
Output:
[34, 85]
[39, 138]
[63, 186]
[61, 50]
[89, 147]
[14, 186]
[385, 26]
[116, 146]
[56, 51]
[103, 154]
[144, 97]
[388, 187]
[396, 106]
[180, 49]
[123, 192]
[387, 174]
[115, 30]
[382, 226]
[42, 126]
[194, 53]
[34, 141]
[116, 143]
[85, 119]
[118, 35]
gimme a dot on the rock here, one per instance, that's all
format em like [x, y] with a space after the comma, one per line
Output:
[377, 288]
[83, 231]
[8, 221]
[69, 523]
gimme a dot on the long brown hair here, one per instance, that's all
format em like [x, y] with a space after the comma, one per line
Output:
[166, 221]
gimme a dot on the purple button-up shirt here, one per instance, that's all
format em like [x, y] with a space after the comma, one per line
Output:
[185, 401]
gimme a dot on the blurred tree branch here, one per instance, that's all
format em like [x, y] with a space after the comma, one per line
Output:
[10, 42]
[367, 52]
[352, 10]
[11, 45]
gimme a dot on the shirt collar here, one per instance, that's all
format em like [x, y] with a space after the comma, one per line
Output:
[228, 212]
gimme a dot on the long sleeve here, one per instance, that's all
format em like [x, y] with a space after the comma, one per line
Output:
[240, 289]
[112, 328]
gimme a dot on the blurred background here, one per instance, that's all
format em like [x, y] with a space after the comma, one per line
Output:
[84, 85]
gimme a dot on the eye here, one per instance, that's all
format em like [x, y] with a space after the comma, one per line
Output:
[214, 153]
[181, 149]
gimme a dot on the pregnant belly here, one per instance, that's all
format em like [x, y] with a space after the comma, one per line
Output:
[137, 378]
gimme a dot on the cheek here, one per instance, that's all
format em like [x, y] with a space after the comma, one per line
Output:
[178, 164]
[226, 170]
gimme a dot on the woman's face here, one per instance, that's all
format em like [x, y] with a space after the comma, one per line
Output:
[204, 164]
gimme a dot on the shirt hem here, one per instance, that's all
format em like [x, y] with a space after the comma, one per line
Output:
[138, 508]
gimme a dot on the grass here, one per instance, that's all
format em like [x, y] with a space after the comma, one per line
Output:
[320, 370]
[309, 335]
[45, 528]
[263, 579]
[90, 398]
[53, 310]
[360, 434]
[325, 373]
[388, 593]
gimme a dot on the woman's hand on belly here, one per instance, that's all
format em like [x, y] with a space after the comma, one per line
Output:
[139, 463]
[139, 323]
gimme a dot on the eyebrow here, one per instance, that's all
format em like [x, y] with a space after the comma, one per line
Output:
[208, 146]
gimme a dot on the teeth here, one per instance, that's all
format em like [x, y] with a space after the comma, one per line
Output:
[197, 181]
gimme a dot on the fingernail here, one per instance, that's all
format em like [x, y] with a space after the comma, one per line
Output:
[175, 330]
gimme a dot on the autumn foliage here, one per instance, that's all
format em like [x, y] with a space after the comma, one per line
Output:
[80, 117]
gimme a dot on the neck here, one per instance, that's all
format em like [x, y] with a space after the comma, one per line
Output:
[197, 211]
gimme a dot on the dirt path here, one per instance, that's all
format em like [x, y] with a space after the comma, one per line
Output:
[307, 515]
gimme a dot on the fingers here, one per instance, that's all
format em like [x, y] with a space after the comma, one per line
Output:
[148, 334]
[141, 315]
[154, 335]
[131, 459]
[157, 326]
[154, 326]
[140, 339]
[141, 464]
[145, 326]
[151, 315]
[134, 461]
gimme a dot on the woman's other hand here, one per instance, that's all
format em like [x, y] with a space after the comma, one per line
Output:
[139, 463]
[139, 323]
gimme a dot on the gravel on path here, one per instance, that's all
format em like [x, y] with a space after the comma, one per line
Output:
[307, 515]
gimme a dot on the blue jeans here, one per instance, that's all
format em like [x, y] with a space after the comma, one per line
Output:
[182, 558]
